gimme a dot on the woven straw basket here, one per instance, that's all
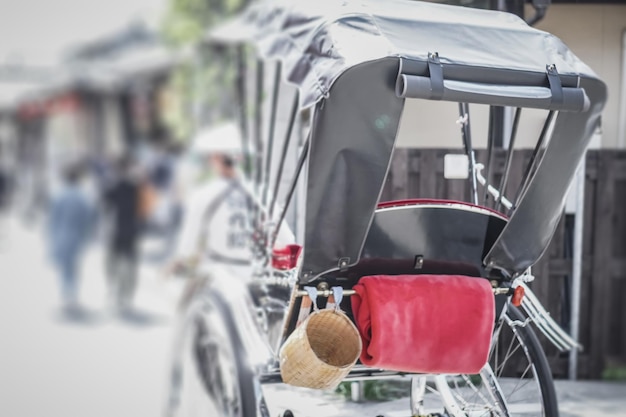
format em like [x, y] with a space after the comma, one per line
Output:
[321, 351]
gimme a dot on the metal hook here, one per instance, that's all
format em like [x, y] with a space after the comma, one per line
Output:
[338, 295]
[312, 292]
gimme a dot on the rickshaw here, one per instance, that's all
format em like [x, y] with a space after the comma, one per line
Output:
[349, 67]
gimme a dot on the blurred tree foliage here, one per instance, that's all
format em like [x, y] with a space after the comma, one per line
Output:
[614, 373]
[377, 390]
[201, 85]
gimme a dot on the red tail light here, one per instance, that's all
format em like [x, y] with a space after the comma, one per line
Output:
[518, 295]
[286, 257]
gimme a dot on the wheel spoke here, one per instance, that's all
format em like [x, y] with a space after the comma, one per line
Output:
[508, 356]
[506, 387]
[477, 392]
[517, 386]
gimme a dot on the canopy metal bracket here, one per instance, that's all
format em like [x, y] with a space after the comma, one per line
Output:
[343, 264]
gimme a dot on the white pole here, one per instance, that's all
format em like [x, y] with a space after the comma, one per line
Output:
[621, 128]
[577, 262]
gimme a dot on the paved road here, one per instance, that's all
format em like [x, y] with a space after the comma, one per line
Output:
[591, 399]
[107, 367]
[576, 399]
[102, 366]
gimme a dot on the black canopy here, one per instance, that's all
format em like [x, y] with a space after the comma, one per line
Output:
[357, 62]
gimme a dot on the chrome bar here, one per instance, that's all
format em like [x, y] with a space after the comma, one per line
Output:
[303, 156]
[533, 159]
[270, 134]
[256, 158]
[490, 189]
[258, 121]
[242, 98]
[358, 373]
[577, 260]
[464, 121]
[509, 157]
[283, 156]
[545, 323]
[491, 137]
[496, 391]
[328, 292]
[448, 399]
[324, 293]
[541, 324]
[418, 389]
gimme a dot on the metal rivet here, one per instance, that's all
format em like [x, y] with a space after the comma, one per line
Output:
[419, 262]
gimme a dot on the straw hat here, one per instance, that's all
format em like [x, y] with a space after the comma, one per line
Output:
[221, 138]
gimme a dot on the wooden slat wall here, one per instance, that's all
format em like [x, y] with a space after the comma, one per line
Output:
[419, 174]
[607, 329]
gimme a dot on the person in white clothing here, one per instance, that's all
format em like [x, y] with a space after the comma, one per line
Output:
[216, 225]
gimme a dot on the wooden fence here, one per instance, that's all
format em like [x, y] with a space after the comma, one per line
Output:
[419, 174]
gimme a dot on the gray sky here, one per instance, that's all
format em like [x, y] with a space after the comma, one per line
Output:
[36, 32]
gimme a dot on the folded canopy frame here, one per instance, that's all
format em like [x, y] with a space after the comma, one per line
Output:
[357, 63]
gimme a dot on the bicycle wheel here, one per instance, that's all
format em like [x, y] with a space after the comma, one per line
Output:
[517, 381]
[213, 378]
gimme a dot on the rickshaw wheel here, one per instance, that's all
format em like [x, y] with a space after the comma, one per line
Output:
[517, 375]
[215, 378]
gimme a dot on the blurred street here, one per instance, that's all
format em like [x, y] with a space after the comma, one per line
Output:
[103, 365]
[95, 365]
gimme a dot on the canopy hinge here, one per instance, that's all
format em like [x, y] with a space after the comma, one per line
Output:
[343, 264]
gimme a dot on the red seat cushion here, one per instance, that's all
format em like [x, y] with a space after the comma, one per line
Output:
[424, 323]
[430, 201]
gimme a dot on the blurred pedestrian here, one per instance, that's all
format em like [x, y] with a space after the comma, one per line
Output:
[69, 226]
[164, 220]
[4, 202]
[4, 187]
[123, 210]
[216, 220]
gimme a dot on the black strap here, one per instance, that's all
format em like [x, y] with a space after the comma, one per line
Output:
[436, 76]
[555, 84]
